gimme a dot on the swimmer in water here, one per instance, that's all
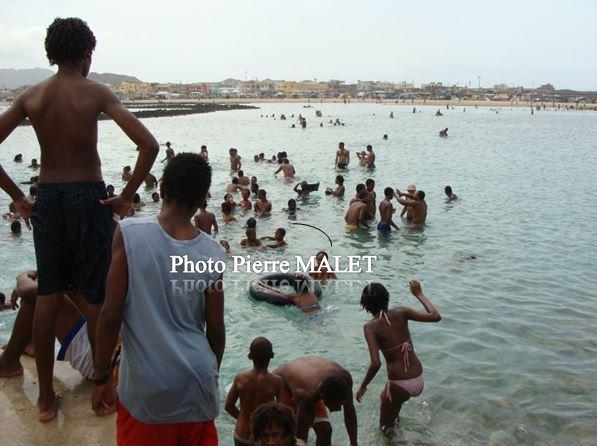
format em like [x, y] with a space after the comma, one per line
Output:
[263, 206]
[243, 180]
[371, 208]
[245, 203]
[287, 168]
[385, 137]
[451, 195]
[439, 113]
[303, 297]
[362, 156]
[205, 221]
[15, 228]
[137, 203]
[339, 191]
[18, 158]
[386, 211]
[370, 160]
[235, 163]
[417, 202]
[387, 332]
[342, 157]
[357, 212]
[34, 164]
[234, 186]
[151, 181]
[292, 207]
[155, 197]
[278, 239]
[444, 133]
[227, 216]
[251, 240]
[224, 244]
[301, 189]
[127, 174]
[204, 153]
[253, 388]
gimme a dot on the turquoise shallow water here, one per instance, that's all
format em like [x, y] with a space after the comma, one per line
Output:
[514, 359]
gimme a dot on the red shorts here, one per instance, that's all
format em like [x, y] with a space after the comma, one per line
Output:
[132, 432]
[321, 413]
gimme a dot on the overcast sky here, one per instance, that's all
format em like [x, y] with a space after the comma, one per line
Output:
[517, 42]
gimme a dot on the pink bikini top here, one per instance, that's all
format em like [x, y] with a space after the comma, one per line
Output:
[406, 346]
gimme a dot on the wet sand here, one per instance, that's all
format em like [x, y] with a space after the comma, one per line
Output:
[76, 424]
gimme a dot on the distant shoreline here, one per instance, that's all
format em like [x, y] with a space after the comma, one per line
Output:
[316, 102]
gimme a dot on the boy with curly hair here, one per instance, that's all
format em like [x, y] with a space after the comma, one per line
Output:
[71, 215]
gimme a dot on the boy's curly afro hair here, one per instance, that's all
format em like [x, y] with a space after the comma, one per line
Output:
[68, 40]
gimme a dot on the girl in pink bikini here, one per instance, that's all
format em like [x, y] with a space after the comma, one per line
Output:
[388, 332]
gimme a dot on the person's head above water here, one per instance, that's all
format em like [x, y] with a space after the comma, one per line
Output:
[70, 41]
[292, 204]
[245, 193]
[369, 148]
[388, 193]
[286, 161]
[136, 198]
[18, 157]
[251, 234]
[234, 180]
[261, 352]
[241, 174]
[126, 169]
[341, 145]
[15, 227]
[251, 223]
[280, 234]
[339, 180]
[226, 208]
[360, 187]
[411, 189]
[375, 298]
[185, 181]
[370, 184]
[448, 190]
[156, 197]
[421, 195]
[273, 424]
[262, 194]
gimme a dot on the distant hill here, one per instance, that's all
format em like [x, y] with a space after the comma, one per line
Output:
[13, 78]
[111, 78]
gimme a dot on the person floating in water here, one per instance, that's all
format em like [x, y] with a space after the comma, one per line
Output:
[387, 332]
[64, 111]
[451, 195]
[439, 113]
[253, 388]
[342, 157]
[303, 297]
[386, 211]
[444, 133]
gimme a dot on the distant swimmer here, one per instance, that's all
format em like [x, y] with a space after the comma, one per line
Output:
[387, 333]
[370, 161]
[251, 240]
[451, 195]
[417, 202]
[303, 189]
[243, 180]
[444, 133]
[342, 157]
[439, 113]
[287, 168]
[278, 239]
[303, 298]
[414, 110]
[385, 137]
[205, 220]
[386, 211]
[263, 206]
[204, 153]
[15, 228]
[292, 207]
[362, 156]
[224, 244]
[169, 153]
[18, 158]
[227, 216]
[371, 208]
[234, 186]
[245, 203]
[155, 197]
[151, 181]
[357, 212]
[406, 210]
[339, 191]
[34, 164]
[235, 162]
[321, 270]
[392, 115]
[127, 174]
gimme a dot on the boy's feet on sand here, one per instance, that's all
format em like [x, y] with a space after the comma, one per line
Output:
[47, 415]
[11, 370]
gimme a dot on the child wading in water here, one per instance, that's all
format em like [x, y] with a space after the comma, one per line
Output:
[388, 332]
[253, 387]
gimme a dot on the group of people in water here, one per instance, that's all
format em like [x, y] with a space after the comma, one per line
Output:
[104, 286]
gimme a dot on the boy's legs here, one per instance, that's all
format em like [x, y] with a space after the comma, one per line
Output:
[10, 364]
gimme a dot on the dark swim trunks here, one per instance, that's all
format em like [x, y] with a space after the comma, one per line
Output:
[72, 234]
[384, 228]
[342, 166]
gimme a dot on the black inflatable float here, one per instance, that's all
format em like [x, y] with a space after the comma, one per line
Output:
[257, 292]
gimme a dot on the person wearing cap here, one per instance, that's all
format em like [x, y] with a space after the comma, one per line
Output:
[411, 189]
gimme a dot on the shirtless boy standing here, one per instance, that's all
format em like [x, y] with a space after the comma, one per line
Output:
[71, 217]
[342, 157]
[253, 387]
[205, 220]
[386, 211]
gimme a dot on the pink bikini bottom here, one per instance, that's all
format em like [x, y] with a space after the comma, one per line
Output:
[413, 386]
